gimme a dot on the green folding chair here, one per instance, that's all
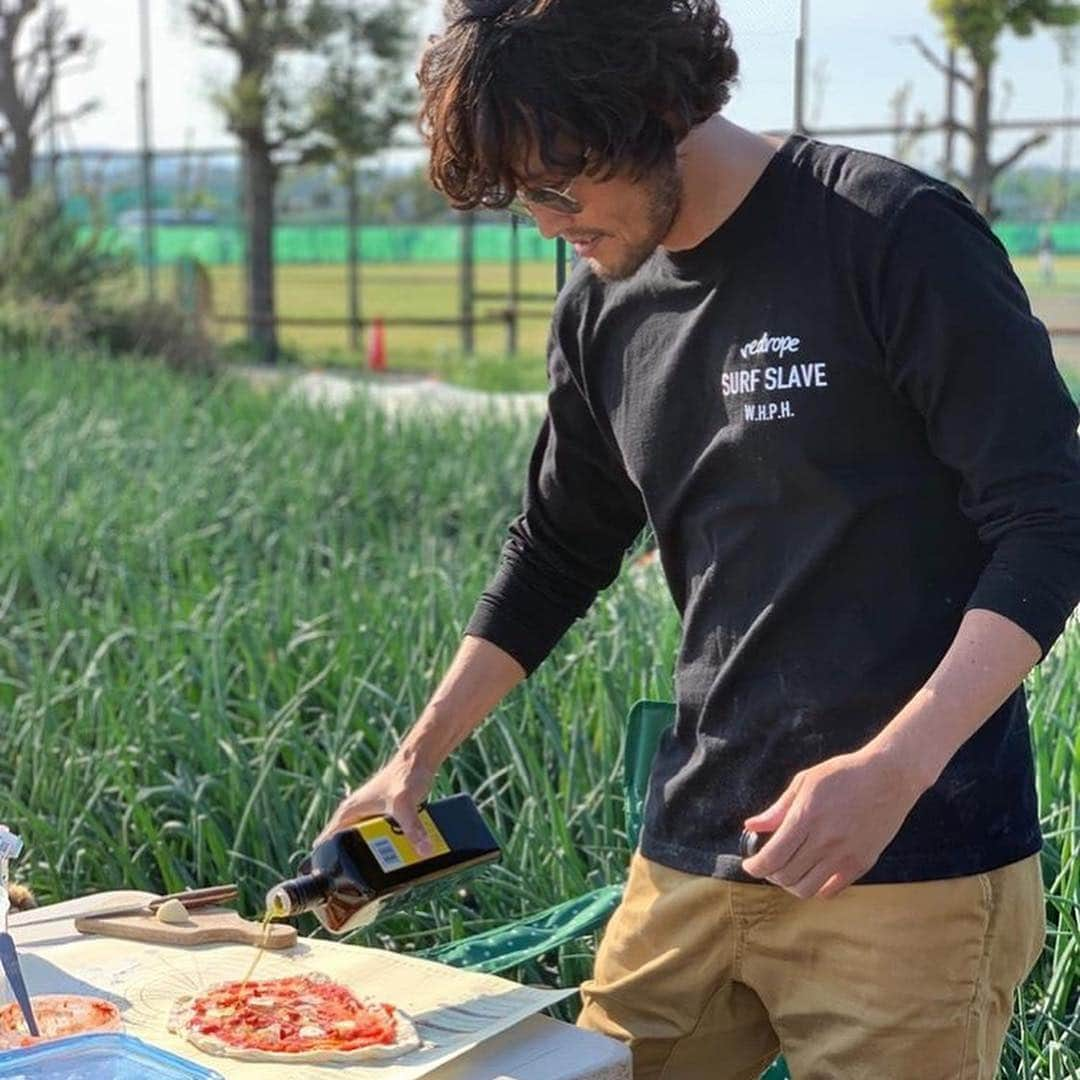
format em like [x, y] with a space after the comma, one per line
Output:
[524, 939]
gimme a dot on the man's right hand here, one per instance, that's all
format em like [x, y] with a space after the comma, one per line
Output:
[478, 678]
[396, 791]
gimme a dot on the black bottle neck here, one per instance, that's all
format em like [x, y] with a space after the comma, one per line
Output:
[299, 894]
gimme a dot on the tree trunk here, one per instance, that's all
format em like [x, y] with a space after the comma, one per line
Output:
[19, 160]
[982, 176]
[356, 333]
[20, 165]
[259, 183]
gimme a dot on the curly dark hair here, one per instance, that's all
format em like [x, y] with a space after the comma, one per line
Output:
[604, 86]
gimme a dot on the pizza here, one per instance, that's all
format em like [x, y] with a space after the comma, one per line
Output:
[302, 1018]
[57, 1016]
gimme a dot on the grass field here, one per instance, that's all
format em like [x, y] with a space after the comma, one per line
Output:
[432, 289]
[396, 290]
[218, 609]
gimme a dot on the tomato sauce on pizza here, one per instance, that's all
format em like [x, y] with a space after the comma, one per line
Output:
[304, 1017]
[57, 1016]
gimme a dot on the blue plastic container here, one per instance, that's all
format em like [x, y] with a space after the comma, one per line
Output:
[99, 1057]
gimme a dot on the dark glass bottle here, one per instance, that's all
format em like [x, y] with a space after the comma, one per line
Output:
[349, 879]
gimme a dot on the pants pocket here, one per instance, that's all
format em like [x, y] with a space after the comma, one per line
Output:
[1031, 909]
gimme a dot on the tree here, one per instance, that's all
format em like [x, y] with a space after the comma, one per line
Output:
[974, 27]
[258, 110]
[268, 117]
[47, 255]
[28, 76]
[361, 101]
[358, 106]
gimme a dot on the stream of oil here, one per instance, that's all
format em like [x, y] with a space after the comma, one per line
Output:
[269, 916]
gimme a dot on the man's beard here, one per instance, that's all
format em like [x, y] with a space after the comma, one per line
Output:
[661, 208]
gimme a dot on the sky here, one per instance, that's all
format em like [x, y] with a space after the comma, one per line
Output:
[857, 60]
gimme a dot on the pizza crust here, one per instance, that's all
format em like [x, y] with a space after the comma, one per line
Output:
[406, 1038]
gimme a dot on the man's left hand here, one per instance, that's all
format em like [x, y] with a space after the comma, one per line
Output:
[833, 821]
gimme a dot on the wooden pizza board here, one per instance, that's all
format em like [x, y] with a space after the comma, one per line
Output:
[206, 926]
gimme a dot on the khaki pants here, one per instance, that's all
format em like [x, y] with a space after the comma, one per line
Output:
[708, 980]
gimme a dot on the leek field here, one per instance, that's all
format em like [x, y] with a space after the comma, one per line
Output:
[219, 608]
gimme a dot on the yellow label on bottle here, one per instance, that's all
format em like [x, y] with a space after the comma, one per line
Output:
[391, 847]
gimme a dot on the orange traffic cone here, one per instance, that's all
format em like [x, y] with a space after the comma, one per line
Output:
[377, 346]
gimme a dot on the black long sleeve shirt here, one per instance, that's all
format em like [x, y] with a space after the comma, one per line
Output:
[845, 427]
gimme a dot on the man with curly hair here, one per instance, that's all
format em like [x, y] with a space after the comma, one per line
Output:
[813, 374]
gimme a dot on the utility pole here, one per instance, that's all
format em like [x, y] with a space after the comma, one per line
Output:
[149, 254]
[1066, 153]
[1067, 44]
[801, 35]
[54, 149]
[950, 115]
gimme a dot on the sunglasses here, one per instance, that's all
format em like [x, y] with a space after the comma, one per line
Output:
[562, 202]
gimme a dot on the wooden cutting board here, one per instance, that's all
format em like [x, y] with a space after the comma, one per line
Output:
[206, 926]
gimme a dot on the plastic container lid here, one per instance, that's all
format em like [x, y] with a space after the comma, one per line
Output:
[99, 1057]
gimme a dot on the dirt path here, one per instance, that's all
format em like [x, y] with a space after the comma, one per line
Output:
[394, 393]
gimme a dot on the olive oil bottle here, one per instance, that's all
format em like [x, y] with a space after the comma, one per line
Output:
[356, 874]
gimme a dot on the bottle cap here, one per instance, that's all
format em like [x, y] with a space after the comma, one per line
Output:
[278, 902]
[750, 843]
[298, 894]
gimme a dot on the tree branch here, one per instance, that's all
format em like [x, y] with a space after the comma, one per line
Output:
[52, 71]
[35, 100]
[212, 15]
[46, 59]
[931, 58]
[14, 18]
[1028, 144]
[39, 48]
[78, 113]
[10, 25]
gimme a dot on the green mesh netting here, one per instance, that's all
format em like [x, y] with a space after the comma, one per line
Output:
[1022, 238]
[218, 245]
[221, 245]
